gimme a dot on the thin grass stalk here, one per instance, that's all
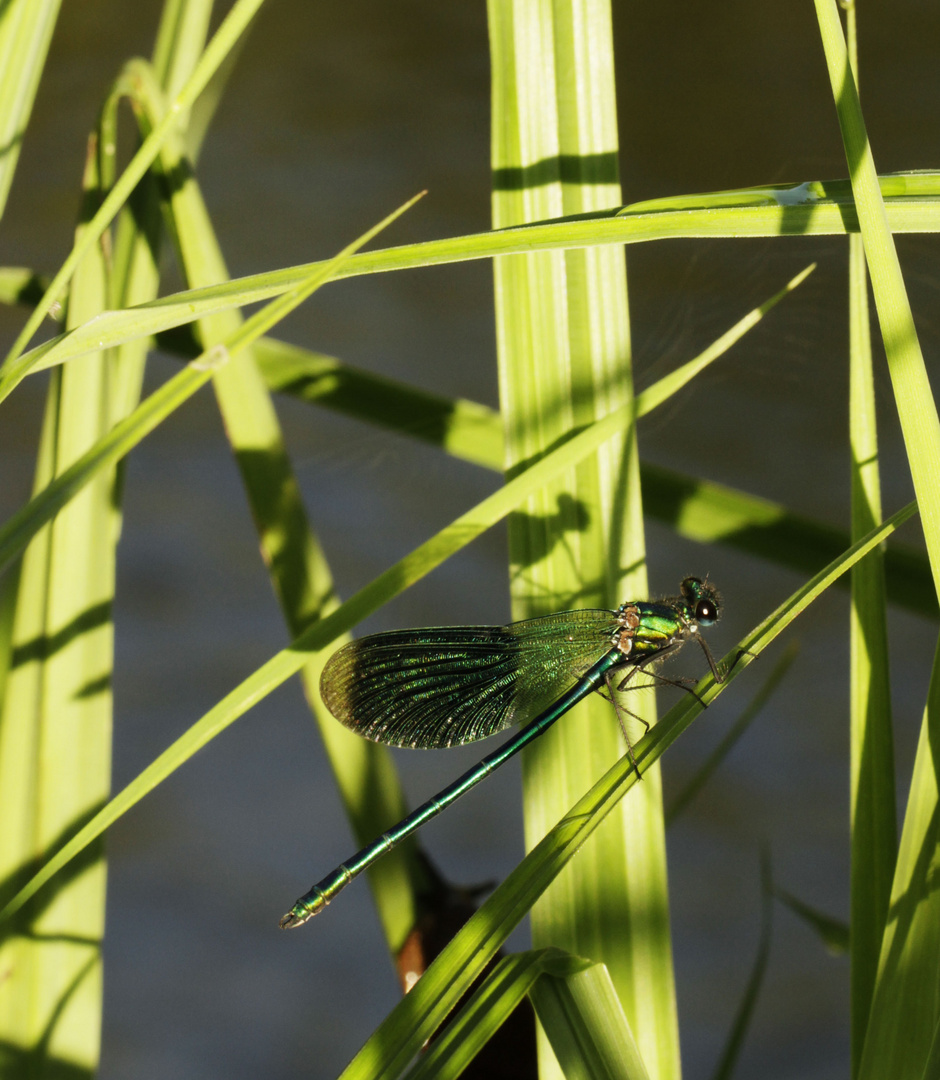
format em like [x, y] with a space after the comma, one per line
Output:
[913, 205]
[917, 410]
[564, 359]
[491, 1005]
[25, 32]
[872, 795]
[72, 564]
[296, 563]
[906, 1002]
[55, 731]
[224, 41]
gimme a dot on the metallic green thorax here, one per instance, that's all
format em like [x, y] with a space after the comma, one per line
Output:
[445, 686]
[670, 623]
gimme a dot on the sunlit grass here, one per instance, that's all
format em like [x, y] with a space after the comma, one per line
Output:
[567, 438]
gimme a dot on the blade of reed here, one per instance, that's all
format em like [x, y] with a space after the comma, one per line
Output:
[491, 1005]
[916, 408]
[390, 1048]
[589, 1031]
[905, 1003]
[25, 32]
[57, 977]
[919, 212]
[296, 564]
[872, 799]
[564, 358]
[55, 729]
[233, 26]
[286, 663]
[903, 1018]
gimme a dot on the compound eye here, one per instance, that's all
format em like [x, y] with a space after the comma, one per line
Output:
[706, 613]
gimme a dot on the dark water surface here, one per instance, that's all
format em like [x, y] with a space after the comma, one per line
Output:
[336, 114]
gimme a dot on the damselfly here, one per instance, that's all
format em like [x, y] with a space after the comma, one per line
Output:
[446, 686]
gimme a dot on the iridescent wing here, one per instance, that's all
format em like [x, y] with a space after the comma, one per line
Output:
[445, 686]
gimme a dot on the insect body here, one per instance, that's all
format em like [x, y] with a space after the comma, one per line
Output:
[446, 686]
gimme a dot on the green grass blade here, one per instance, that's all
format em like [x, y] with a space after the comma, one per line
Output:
[490, 1006]
[872, 800]
[906, 213]
[296, 563]
[25, 32]
[564, 358]
[55, 727]
[225, 39]
[390, 1048]
[584, 1021]
[906, 1004]
[913, 396]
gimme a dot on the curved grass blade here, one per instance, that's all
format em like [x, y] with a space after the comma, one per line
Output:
[295, 561]
[904, 1011]
[584, 1021]
[491, 1005]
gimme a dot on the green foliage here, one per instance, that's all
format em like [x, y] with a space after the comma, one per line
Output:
[566, 436]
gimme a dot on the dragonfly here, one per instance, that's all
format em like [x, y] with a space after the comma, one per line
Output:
[447, 686]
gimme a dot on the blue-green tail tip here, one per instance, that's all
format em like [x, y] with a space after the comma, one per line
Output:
[305, 908]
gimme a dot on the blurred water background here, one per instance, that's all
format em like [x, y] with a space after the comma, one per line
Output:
[338, 112]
